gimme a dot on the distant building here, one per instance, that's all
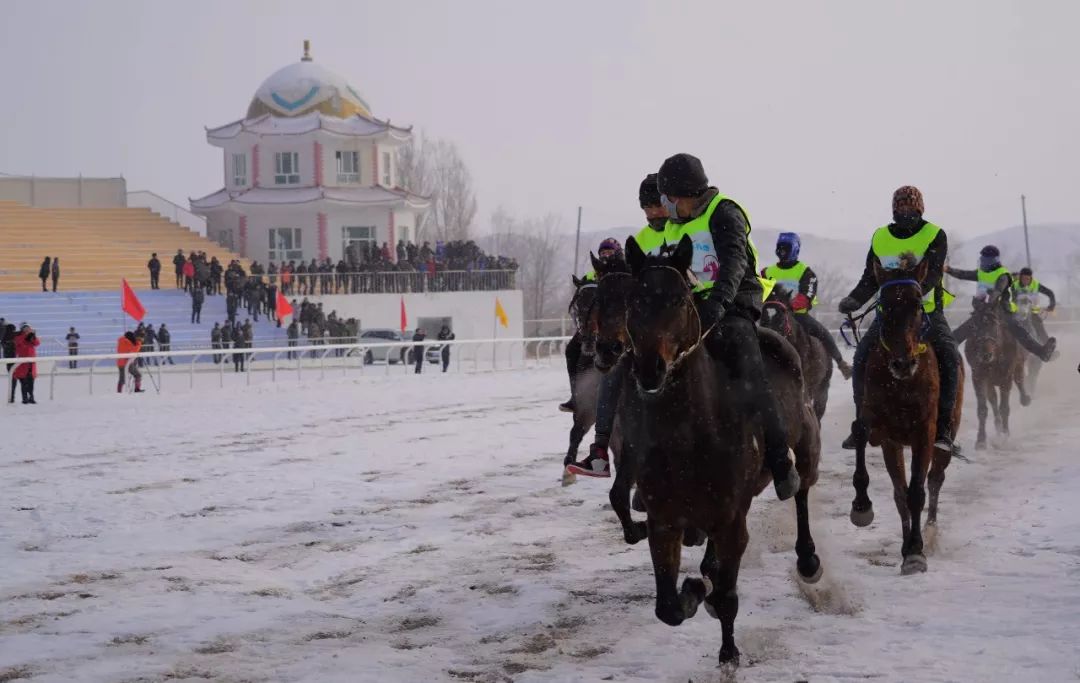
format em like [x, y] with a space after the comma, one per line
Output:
[308, 171]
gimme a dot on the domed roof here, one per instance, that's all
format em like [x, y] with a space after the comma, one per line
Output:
[304, 87]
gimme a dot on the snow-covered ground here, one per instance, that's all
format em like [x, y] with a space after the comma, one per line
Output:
[403, 528]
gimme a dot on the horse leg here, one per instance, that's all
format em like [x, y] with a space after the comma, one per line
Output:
[619, 496]
[665, 546]
[992, 397]
[921, 456]
[821, 400]
[980, 409]
[577, 433]
[862, 509]
[894, 464]
[1004, 392]
[936, 478]
[729, 544]
[808, 563]
[1021, 384]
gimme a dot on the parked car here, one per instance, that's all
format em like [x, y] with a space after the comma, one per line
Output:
[383, 354]
[432, 353]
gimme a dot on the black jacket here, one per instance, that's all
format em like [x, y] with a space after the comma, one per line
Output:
[154, 265]
[178, 261]
[936, 254]
[163, 336]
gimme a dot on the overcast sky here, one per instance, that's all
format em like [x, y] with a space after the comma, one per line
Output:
[809, 113]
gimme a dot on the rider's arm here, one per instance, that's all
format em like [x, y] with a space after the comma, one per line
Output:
[1049, 293]
[728, 229]
[969, 275]
[867, 285]
[808, 284]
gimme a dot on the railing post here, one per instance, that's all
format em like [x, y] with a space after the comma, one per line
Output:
[52, 382]
[92, 377]
[221, 373]
[191, 373]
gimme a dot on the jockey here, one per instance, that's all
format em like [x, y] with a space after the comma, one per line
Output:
[909, 232]
[798, 278]
[611, 258]
[1026, 291]
[994, 281]
[728, 293]
[596, 464]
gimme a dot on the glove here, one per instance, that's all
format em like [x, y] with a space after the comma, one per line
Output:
[711, 313]
[800, 302]
[848, 305]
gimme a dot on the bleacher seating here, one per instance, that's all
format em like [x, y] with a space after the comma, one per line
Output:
[96, 316]
[96, 247]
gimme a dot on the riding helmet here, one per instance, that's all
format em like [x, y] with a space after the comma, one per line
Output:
[907, 201]
[792, 242]
[682, 175]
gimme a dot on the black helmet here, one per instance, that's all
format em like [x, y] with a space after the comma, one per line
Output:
[648, 194]
[1026, 271]
[682, 175]
[990, 250]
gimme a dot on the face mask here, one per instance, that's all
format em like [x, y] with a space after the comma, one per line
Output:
[658, 223]
[669, 205]
[988, 263]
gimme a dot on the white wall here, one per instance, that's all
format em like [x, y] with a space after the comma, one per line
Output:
[105, 193]
[473, 313]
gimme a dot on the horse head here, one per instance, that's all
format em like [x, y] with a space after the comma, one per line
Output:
[900, 308]
[662, 323]
[581, 306]
[607, 322]
[985, 344]
[776, 312]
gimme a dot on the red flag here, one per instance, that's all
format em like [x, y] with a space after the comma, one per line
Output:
[282, 306]
[130, 303]
[404, 318]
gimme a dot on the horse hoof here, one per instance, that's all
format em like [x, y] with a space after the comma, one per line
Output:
[729, 657]
[809, 571]
[697, 591]
[568, 478]
[672, 616]
[862, 518]
[693, 537]
[1025, 401]
[913, 564]
[638, 531]
[980, 445]
[636, 504]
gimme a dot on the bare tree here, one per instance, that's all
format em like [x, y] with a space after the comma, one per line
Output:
[535, 244]
[435, 169]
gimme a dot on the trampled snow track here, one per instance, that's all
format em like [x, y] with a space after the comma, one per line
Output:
[414, 529]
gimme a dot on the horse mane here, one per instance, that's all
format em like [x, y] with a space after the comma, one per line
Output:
[778, 348]
[781, 293]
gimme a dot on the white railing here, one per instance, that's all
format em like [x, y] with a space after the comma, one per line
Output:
[163, 207]
[487, 355]
[392, 282]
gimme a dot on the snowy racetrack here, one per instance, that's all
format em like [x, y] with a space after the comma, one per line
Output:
[414, 529]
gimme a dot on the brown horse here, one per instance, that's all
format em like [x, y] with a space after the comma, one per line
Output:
[697, 445]
[817, 367]
[900, 409]
[997, 362]
[586, 382]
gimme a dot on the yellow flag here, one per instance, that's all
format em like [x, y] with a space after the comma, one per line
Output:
[500, 313]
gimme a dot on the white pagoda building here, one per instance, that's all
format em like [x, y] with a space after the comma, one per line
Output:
[308, 172]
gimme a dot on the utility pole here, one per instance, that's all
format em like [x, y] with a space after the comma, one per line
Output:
[1027, 244]
[577, 241]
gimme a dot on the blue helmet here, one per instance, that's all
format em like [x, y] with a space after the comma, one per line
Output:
[787, 246]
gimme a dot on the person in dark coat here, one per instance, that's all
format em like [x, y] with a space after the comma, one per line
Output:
[293, 332]
[216, 273]
[178, 263]
[226, 339]
[164, 343]
[72, 339]
[26, 343]
[215, 341]
[271, 303]
[7, 345]
[197, 299]
[55, 272]
[154, 266]
[232, 303]
[44, 272]
[150, 339]
[445, 335]
[418, 349]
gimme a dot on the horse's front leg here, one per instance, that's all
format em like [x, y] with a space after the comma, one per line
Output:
[665, 546]
[1005, 392]
[619, 496]
[728, 543]
[980, 409]
[921, 456]
[862, 509]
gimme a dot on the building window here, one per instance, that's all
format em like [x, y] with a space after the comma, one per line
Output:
[363, 235]
[225, 238]
[387, 175]
[348, 167]
[285, 244]
[239, 169]
[287, 168]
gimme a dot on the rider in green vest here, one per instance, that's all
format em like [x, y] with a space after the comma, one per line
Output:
[800, 280]
[1026, 291]
[728, 296]
[909, 232]
[994, 282]
[610, 259]
[597, 464]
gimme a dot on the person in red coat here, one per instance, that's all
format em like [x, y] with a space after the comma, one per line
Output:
[26, 343]
[129, 343]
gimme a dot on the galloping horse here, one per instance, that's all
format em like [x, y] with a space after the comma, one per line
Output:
[697, 446]
[996, 361]
[586, 383]
[900, 409]
[817, 367]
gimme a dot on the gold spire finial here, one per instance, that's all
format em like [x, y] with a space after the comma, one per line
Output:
[307, 51]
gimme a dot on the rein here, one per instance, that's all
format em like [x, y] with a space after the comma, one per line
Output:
[683, 355]
[924, 326]
[787, 318]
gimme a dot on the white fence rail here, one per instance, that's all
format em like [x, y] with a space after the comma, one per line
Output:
[467, 355]
[167, 209]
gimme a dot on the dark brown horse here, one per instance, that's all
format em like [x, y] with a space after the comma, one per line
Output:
[701, 465]
[900, 409]
[586, 381]
[817, 367]
[996, 361]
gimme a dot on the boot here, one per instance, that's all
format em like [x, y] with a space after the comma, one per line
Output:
[567, 407]
[595, 465]
[1047, 352]
[844, 368]
[138, 386]
[119, 387]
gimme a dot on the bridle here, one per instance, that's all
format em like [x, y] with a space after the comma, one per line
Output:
[924, 325]
[785, 309]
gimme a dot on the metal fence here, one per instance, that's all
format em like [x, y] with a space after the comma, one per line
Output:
[392, 282]
[467, 355]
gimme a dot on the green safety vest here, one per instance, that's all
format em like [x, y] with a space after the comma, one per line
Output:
[1026, 298]
[888, 249]
[985, 282]
[789, 278]
[590, 276]
[704, 264]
